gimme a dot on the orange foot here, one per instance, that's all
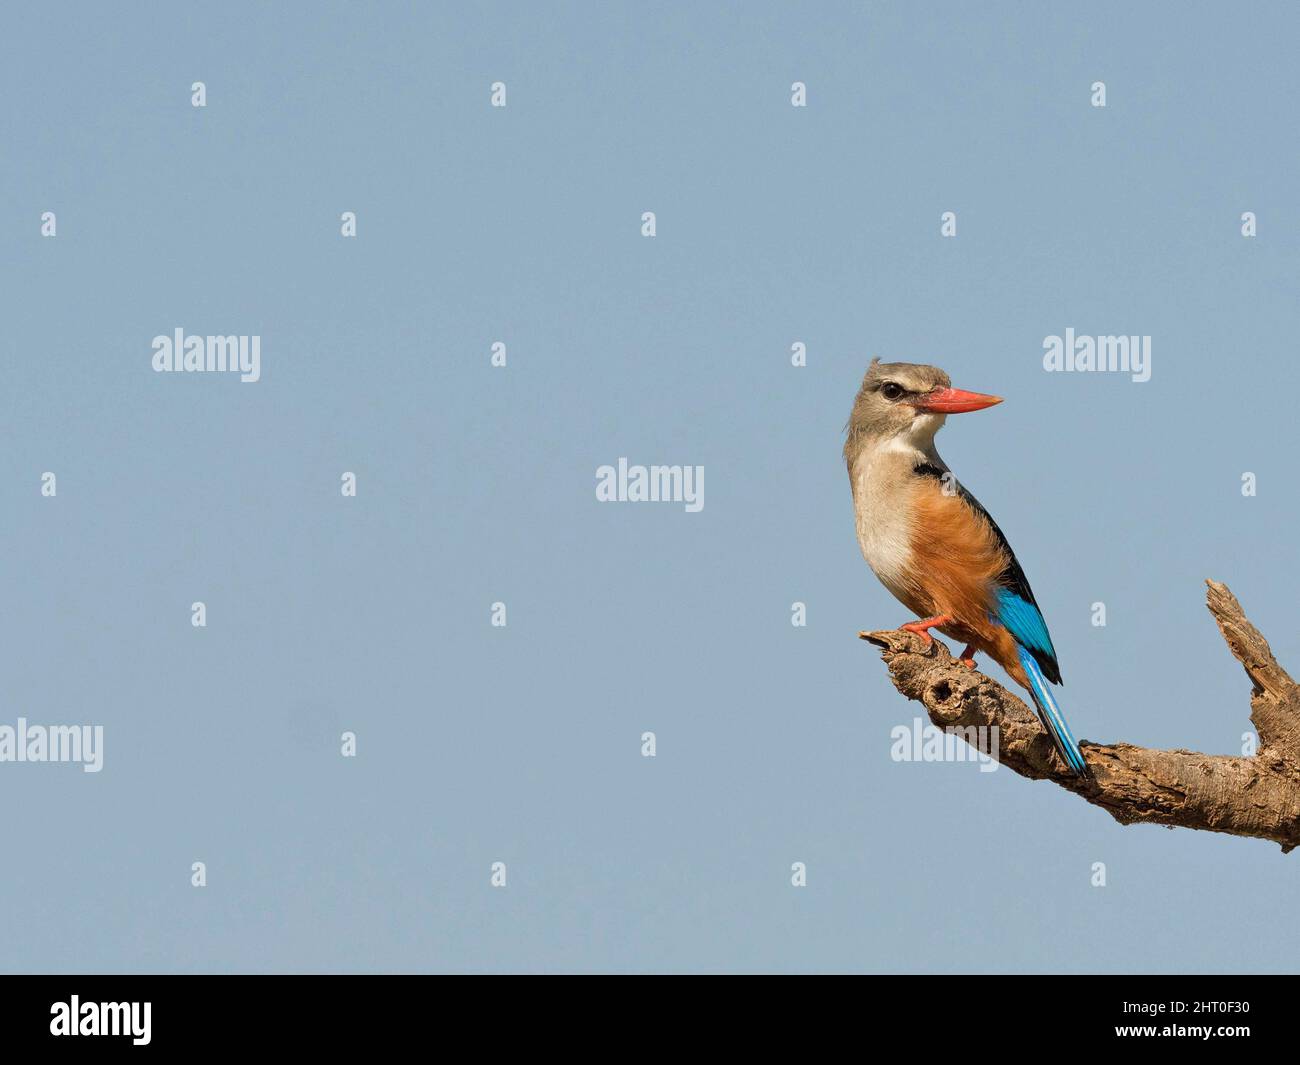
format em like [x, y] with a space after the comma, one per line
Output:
[922, 628]
[967, 657]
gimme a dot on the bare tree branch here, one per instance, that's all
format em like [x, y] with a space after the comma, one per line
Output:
[1257, 796]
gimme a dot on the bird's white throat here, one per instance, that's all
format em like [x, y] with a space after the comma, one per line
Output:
[879, 474]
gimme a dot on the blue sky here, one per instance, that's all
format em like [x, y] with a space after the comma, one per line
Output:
[521, 744]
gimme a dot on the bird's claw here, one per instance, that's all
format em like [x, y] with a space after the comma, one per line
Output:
[925, 636]
[922, 628]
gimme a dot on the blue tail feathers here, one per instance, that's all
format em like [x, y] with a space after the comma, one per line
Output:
[1050, 714]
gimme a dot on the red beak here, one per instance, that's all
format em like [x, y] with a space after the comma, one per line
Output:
[953, 401]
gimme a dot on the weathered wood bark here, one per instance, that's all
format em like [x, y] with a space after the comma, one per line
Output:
[1256, 796]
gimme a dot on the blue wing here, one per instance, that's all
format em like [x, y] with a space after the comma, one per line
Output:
[1016, 607]
[1017, 611]
[1024, 621]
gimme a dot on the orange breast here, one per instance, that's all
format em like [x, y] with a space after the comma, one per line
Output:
[956, 561]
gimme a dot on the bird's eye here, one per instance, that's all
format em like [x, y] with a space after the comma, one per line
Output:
[891, 391]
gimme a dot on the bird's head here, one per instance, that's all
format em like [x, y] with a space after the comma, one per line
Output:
[908, 400]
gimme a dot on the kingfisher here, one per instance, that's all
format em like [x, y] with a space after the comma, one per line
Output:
[933, 545]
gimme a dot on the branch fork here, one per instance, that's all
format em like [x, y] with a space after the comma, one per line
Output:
[1257, 796]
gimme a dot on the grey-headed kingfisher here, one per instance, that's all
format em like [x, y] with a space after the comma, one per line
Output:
[934, 546]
